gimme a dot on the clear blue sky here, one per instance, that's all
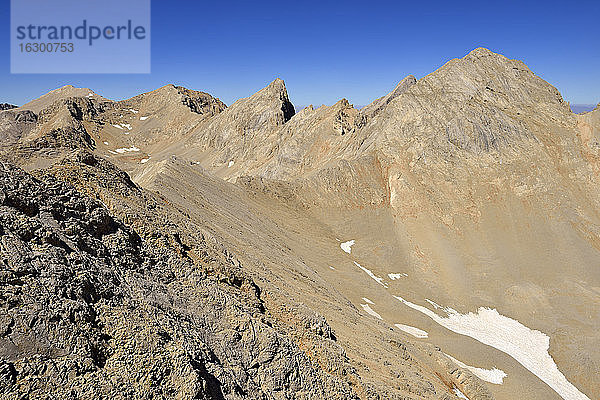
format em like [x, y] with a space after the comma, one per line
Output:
[327, 50]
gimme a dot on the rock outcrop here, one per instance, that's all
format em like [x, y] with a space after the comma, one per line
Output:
[91, 309]
[61, 93]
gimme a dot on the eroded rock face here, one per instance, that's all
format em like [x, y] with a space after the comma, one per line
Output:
[6, 106]
[246, 129]
[478, 103]
[56, 129]
[13, 126]
[200, 102]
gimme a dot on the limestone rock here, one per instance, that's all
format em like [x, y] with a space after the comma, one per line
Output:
[245, 130]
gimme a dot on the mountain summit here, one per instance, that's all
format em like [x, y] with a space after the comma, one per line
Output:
[64, 92]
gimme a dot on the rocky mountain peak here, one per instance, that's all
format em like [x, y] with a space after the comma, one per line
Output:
[61, 93]
[277, 84]
[478, 103]
[342, 103]
[480, 52]
[267, 108]
[171, 97]
[403, 85]
[200, 102]
[276, 92]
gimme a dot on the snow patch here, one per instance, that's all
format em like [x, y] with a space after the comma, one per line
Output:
[397, 276]
[347, 246]
[528, 347]
[144, 160]
[416, 332]
[459, 394]
[106, 143]
[370, 311]
[371, 274]
[127, 149]
[143, 118]
[434, 304]
[489, 375]
[122, 126]
[133, 111]
[90, 94]
[367, 300]
[230, 164]
[332, 267]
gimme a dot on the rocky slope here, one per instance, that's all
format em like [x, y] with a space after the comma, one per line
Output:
[329, 253]
[589, 135]
[92, 308]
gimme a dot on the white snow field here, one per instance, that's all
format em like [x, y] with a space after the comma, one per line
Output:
[495, 375]
[528, 347]
[367, 300]
[411, 330]
[127, 149]
[459, 394]
[370, 311]
[371, 274]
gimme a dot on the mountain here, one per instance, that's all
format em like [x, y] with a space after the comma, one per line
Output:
[6, 106]
[61, 93]
[127, 130]
[441, 242]
[243, 135]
